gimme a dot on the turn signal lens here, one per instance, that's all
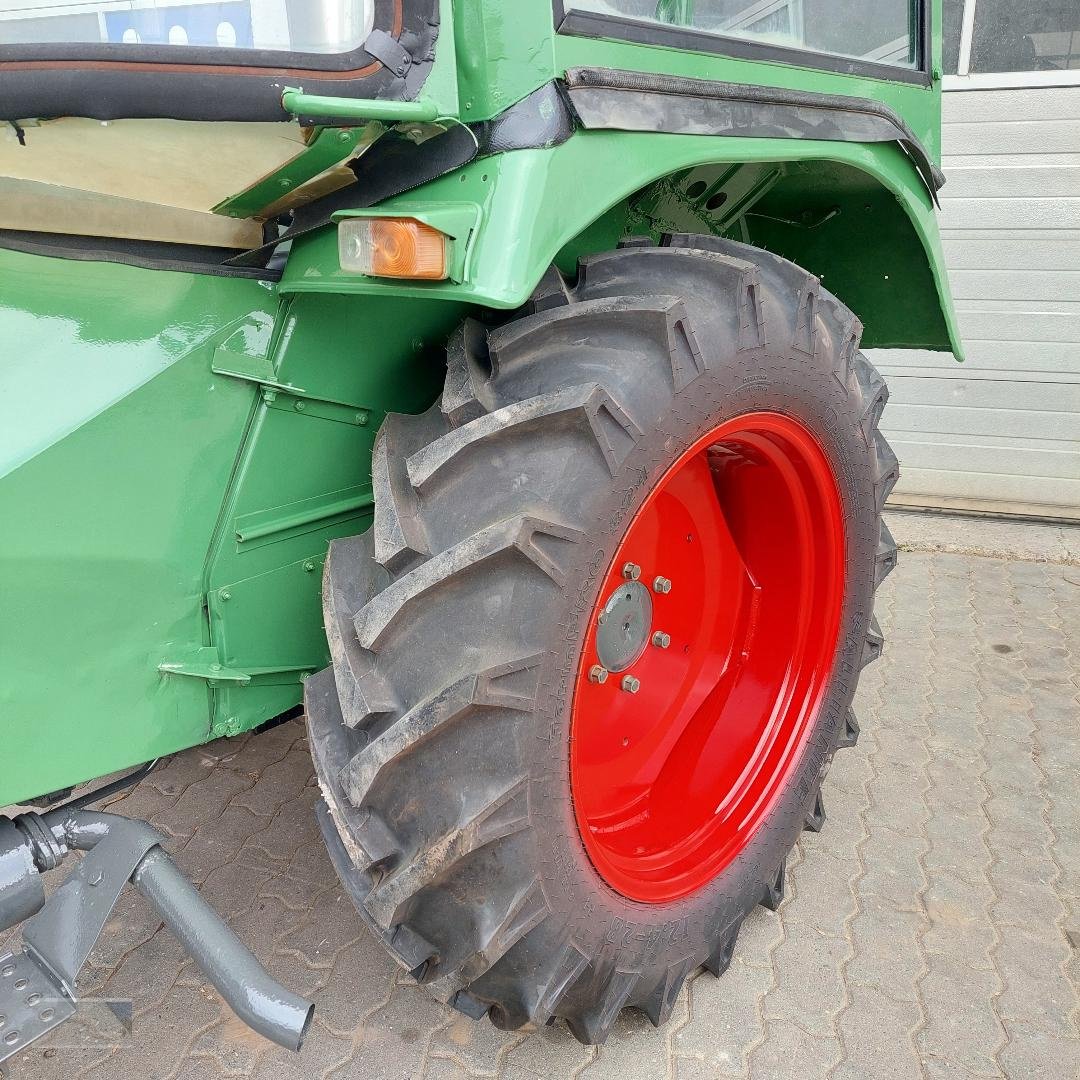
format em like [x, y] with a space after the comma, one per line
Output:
[392, 248]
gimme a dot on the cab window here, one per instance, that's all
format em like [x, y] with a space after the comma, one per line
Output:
[293, 26]
[879, 31]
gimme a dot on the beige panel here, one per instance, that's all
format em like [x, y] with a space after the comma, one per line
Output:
[37, 207]
[174, 162]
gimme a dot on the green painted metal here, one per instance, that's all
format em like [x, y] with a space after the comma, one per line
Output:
[304, 477]
[180, 449]
[117, 444]
[504, 52]
[300, 104]
[523, 195]
[328, 147]
[167, 507]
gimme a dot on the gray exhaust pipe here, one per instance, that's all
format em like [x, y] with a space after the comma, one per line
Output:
[37, 990]
[260, 1001]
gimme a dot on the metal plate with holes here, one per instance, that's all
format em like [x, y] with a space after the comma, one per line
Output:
[30, 1003]
[624, 626]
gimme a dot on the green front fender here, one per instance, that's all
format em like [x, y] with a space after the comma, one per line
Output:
[882, 255]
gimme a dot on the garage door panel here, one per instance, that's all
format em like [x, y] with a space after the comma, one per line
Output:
[983, 448]
[1012, 137]
[1002, 431]
[965, 421]
[1003, 396]
[1011, 249]
[1014, 284]
[1019, 326]
[1006, 492]
[1042, 103]
[988, 179]
[1020, 361]
[1036, 212]
[999, 460]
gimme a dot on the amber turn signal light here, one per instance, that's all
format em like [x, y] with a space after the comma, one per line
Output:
[400, 248]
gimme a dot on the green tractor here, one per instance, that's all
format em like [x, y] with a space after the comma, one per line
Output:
[485, 375]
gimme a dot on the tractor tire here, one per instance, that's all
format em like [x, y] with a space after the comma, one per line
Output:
[484, 807]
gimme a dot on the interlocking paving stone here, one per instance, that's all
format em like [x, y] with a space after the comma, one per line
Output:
[931, 931]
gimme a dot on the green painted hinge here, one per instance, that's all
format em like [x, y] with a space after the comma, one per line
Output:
[245, 354]
[205, 663]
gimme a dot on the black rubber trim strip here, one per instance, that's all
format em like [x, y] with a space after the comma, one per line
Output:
[592, 24]
[542, 119]
[638, 101]
[178, 82]
[148, 254]
[75, 52]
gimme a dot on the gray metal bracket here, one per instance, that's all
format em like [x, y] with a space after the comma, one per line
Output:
[37, 986]
[60, 936]
[32, 1003]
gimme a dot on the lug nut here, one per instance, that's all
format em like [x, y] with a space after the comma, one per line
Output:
[631, 571]
[661, 640]
[631, 684]
[662, 585]
[598, 674]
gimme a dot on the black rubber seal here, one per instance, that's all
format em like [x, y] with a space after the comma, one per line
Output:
[543, 119]
[181, 82]
[638, 101]
[148, 254]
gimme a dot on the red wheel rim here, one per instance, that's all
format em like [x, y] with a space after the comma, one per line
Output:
[671, 782]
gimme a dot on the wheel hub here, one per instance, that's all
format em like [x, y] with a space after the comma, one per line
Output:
[624, 626]
[726, 669]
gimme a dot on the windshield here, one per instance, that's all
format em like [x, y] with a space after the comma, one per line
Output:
[295, 26]
[882, 31]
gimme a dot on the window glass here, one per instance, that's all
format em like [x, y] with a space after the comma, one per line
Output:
[318, 26]
[1026, 35]
[952, 18]
[878, 30]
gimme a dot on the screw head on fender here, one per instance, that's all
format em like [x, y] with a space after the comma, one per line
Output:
[630, 684]
[662, 585]
[598, 674]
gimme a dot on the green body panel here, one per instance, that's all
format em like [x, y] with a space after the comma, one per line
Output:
[118, 444]
[179, 449]
[304, 478]
[160, 513]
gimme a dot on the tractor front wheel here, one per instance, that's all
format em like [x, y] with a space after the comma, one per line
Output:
[594, 657]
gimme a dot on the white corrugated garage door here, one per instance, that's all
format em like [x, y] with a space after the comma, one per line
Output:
[1001, 432]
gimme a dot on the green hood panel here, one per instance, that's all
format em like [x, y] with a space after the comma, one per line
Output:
[116, 445]
[81, 336]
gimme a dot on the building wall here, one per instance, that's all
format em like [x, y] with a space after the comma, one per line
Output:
[1001, 431]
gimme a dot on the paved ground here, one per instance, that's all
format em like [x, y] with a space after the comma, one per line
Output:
[931, 930]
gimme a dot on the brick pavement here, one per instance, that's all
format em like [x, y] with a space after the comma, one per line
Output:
[931, 930]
